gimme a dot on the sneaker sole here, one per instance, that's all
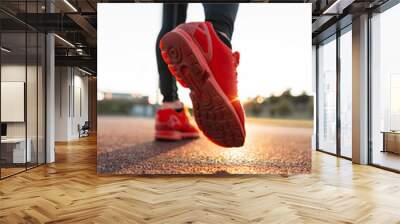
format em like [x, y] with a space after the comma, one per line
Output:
[213, 111]
[174, 135]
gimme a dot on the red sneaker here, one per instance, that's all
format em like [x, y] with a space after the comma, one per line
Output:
[173, 125]
[200, 61]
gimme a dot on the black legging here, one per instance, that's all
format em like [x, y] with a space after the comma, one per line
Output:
[222, 16]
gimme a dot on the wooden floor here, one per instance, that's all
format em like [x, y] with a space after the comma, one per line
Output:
[70, 191]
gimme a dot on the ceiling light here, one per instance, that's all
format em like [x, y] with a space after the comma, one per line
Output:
[79, 51]
[70, 5]
[65, 41]
[5, 50]
[84, 71]
[338, 6]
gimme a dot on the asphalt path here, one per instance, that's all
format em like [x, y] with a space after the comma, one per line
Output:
[126, 145]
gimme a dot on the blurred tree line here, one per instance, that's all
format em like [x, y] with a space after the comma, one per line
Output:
[284, 106]
[125, 104]
[115, 107]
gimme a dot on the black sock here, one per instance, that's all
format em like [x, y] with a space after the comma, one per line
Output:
[224, 39]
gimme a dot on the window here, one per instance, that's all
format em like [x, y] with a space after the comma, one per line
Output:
[346, 93]
[385, 89]
[22, 88]
[15, 148]
[327, 96]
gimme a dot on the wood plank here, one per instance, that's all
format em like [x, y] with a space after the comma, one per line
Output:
[70, 191]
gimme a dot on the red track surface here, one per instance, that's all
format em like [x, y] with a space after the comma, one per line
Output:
[126, 146]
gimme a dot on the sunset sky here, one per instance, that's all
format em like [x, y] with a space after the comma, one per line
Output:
[274, 41]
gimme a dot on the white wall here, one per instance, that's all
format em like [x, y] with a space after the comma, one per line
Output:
[80, 104]
[16, 73]
[71, 94]
[62, 81]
